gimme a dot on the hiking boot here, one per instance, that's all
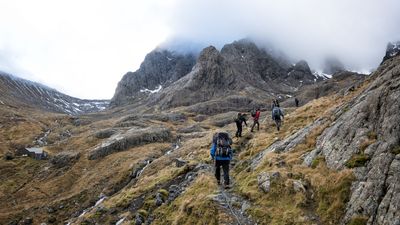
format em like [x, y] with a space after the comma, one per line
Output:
[219, 182]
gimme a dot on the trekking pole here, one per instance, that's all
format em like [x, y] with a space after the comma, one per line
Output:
[264, 119]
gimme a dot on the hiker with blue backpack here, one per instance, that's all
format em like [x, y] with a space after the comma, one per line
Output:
[277, 116]
[221, 153]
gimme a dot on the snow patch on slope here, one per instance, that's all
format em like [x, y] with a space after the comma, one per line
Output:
[151, 91]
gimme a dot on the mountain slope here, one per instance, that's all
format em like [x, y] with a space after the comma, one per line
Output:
[16, 92]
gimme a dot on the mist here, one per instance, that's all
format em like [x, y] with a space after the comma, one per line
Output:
[354, 31]
[83, 48]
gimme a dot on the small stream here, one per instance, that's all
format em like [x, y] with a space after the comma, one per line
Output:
[175, 147]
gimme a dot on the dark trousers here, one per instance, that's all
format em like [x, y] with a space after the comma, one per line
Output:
[254, 124]
[239, 130]
[278, 123]
[225, 168]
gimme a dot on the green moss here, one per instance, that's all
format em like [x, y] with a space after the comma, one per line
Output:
[357, 160]
[395, 150]
[164, 193]
[143, 213]
[358, 220]
[316, 162]
[372, 135]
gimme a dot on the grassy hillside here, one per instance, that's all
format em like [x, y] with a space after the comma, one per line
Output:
[134, 178]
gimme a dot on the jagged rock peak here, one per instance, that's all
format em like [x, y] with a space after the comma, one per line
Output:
[392, 50]
[209, 55]
[159, 69]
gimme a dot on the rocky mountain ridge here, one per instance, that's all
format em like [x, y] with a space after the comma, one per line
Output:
[17, 91]
[239, 69]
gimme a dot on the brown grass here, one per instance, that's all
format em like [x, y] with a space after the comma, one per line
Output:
[195, 206]
[282, 205]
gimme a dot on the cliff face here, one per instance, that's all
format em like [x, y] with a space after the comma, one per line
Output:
[366, 137]
[159, 69]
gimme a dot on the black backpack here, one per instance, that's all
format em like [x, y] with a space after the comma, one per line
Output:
[253, 113]
[223, 145]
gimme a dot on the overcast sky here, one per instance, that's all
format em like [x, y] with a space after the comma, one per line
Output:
[84, 47]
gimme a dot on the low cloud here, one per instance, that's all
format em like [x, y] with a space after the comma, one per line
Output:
[355, 31]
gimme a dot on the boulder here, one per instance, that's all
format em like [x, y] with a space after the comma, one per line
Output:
[106, 133]
[298, 186]
[180, 162]
[264, 180]
[159, 201]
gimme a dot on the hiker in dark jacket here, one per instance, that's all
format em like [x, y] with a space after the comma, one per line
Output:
[277, 116]
[256, 117]
[240, 119]
[221, 152]
[275, 103]
[296, 101]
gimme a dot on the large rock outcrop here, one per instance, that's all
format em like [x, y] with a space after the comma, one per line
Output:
[368, 130]
[392, 50]
[159, 69]
[128, 139]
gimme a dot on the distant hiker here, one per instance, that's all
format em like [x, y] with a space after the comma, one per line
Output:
[240, 119]
[277, 116]
[221, 152]
[256, 117]
[275, 103]
[296, 101]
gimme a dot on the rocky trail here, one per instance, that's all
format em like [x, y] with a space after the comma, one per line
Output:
[234, 206]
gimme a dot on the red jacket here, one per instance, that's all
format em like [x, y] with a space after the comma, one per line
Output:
[257, 116]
